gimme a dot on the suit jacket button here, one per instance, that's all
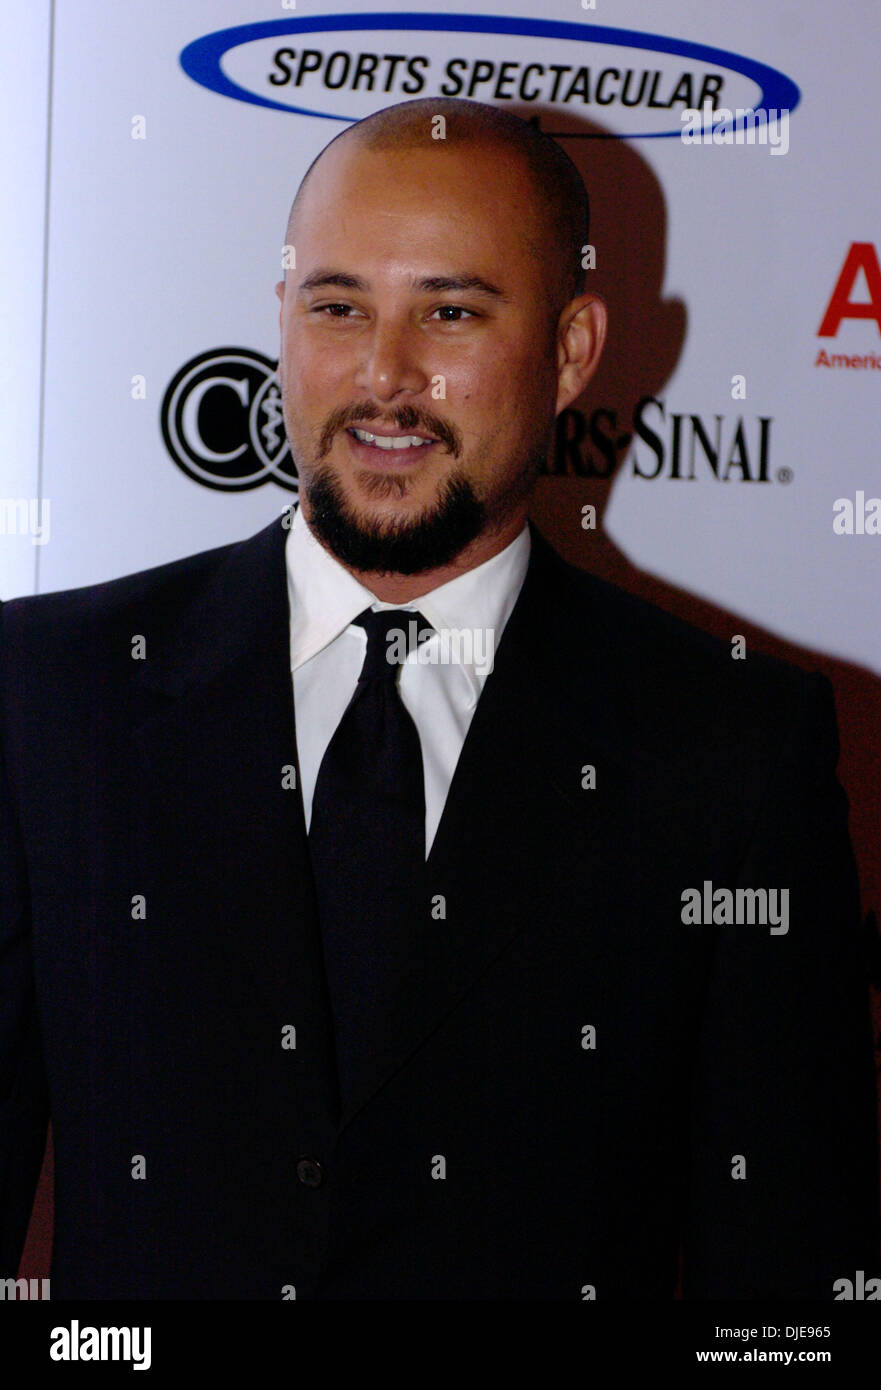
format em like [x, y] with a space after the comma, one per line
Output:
[310, 1172]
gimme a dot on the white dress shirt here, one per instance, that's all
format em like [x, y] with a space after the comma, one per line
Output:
[328, 649]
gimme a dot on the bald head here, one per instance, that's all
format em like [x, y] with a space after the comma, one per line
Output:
[560, 206]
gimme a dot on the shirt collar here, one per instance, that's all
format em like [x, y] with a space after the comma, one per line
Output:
[325, 598]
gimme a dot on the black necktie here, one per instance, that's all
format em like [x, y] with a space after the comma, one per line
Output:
[367, 840]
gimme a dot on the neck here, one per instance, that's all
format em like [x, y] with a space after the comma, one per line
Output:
[404, 588]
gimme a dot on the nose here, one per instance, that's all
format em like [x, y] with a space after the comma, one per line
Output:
[389, 364]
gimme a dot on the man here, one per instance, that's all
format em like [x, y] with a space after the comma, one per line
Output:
[349, 967]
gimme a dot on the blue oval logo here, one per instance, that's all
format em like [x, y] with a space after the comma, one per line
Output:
[202, 59]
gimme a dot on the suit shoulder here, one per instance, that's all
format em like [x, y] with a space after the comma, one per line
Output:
[682, 665]
[160, 591]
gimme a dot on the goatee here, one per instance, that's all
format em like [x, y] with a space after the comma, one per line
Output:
[396, 547]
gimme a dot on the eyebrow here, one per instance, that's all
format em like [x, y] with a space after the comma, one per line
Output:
[429, 284]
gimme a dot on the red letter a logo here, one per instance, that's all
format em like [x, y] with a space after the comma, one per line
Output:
[861, 256]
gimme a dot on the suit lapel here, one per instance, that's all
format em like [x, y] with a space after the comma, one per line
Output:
[213, 730]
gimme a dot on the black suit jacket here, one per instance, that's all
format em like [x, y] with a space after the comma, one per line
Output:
[159, 934]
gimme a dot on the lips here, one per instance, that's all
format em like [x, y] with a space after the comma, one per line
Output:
[389, 453]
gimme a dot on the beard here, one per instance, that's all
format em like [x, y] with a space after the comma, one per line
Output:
[432, 540]
[441, 532]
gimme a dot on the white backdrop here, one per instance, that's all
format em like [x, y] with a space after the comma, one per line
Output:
[165, 248]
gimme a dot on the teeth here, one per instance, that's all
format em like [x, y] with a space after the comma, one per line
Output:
[386, 441]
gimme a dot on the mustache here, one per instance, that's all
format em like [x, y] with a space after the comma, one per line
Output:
[404, 417]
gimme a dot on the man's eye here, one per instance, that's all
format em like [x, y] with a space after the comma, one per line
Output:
[455, 309]
[334, 311]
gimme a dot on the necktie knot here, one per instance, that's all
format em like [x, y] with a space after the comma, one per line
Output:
[391, 636]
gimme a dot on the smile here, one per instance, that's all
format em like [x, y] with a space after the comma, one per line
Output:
[392, 441]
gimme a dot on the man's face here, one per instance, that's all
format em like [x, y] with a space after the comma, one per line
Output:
[418, 313]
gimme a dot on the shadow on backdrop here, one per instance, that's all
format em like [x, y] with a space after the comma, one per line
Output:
[646, 337]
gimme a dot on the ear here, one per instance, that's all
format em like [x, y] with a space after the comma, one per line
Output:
[580, 338]
[279, 290]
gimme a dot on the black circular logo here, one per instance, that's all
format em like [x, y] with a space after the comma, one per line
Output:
[222, 421]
